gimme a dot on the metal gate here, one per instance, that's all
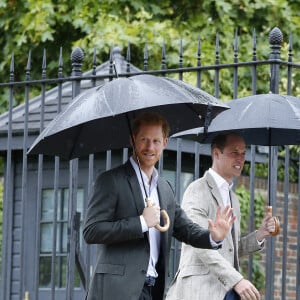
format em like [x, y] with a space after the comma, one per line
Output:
[45, 198]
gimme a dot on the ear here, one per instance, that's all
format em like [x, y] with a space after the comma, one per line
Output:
[216, 153]
[165, 142]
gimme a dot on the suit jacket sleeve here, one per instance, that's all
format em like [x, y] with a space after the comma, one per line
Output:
[111, 217]
[185, 230]
[199, 206]
[200, 202]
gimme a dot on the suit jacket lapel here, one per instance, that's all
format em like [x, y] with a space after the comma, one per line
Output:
[137, 195]
[234, 202]
[235, 206]
[214, 189]
[217, 196]
[162, 193]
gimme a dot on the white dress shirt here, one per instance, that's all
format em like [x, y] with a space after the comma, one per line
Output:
[223, 186]
[154, 234]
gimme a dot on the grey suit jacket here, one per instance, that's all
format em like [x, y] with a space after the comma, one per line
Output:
[112, 221]
[205, 274]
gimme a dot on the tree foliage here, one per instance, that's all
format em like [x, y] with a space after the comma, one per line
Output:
[49, 24]
[36, 25]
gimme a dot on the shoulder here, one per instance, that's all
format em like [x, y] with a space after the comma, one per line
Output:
[197, 193]
[165, 185]
[116, 173]
[197, 184]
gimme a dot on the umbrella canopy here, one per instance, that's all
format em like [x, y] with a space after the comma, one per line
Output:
[264, 119]
[97, 120]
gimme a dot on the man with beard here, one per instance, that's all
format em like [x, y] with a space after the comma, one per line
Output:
[133, 255]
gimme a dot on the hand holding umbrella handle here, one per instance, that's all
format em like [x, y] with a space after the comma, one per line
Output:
[277, 223]
[165, 218]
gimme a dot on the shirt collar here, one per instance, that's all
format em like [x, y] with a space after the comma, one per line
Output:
[154, 178]
[220, 181]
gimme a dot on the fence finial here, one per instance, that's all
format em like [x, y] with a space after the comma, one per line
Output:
[128, 58]
[12, 68]
[77, 55]
[94, 62]
[28, 66]
[146, 57]
[60, 63]
[275, 36]
[275, 40]
[163, 57]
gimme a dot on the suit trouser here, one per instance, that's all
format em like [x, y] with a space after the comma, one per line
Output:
[232, 295]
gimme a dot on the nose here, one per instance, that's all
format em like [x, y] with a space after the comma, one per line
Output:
[149, 144]
[241, 157]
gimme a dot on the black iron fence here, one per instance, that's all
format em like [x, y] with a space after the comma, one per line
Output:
[43, 255]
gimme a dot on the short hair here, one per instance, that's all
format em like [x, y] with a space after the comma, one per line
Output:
[150, 118]
[220, 140]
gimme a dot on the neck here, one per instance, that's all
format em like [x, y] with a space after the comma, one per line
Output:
[228, 179]
[147, 170]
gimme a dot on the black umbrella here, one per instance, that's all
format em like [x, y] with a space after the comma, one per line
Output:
[264, 119]
[97, 120]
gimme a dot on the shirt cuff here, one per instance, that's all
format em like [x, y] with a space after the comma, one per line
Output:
[215, 244]
[144, 224]
[258, 242]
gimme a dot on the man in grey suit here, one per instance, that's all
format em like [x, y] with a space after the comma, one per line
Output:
[133, 256]
[205, 274]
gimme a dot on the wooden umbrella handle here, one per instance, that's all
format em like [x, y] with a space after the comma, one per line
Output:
[166, 222]
[165, 218]
[276, 220]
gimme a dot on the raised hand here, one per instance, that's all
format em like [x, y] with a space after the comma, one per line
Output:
[222, 224]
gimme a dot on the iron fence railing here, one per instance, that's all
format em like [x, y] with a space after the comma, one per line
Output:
[26, 178]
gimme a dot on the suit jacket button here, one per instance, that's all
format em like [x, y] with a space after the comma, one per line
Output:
[144, 272]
